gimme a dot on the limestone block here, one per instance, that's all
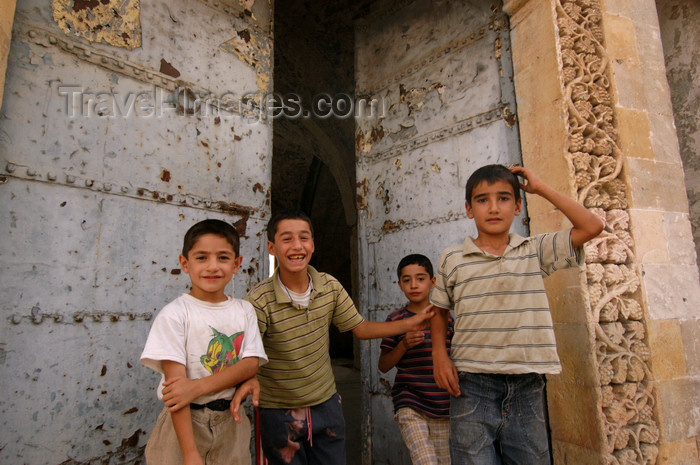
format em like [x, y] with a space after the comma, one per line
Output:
[633, 133]
[666, 345]
[651, 243]
[628, 84]
[690, 333]
[662, 237]
[573, 414]
[680, 238]
[567, 453]
[656, 185]
[672, 291]
[681, 416]
[664, 138]
[567, 299]
[8, 8]
[575, 348]
[678, 453]
[620, 38]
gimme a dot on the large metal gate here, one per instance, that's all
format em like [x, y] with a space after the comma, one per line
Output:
[440, 74]
[123, 123]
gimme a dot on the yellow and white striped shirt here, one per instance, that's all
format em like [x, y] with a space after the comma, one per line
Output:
[502, 318]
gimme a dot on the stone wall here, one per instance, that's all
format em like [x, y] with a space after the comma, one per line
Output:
[595, 110]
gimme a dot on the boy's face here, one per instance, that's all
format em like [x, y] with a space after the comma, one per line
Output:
[416, 283]
[211, 263]
[293, 245]
[493, 207]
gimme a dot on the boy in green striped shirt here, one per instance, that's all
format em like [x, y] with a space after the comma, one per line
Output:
[301, 419]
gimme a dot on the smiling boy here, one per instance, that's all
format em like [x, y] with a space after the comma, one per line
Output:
[503, 343]
[301, 418]
[202, 336]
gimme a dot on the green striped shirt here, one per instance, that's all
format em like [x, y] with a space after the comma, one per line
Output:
[298, 373]
[502, 318]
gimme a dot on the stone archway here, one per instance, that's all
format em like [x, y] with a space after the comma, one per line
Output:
[625, 330]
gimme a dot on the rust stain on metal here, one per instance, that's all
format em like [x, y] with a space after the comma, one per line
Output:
[365, 144]
[241, 225]
[104, 21]
[165, 176]
[167, 68]
[234, 209]
[174, 271]
[389, 225]
[509, 118]
[254, 49]
[131, 410]
[435, 167]
[257, 187]
[362, 191]
[397, 162]
[416, 97]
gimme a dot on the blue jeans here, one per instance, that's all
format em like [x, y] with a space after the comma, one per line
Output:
[286, 440]
[499, 419]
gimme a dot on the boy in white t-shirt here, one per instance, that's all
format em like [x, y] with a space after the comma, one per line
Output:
[197, 335]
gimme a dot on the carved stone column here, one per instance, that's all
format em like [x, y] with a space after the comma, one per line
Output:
[596, 122]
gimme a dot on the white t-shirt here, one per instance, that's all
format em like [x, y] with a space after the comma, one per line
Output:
[205, 337]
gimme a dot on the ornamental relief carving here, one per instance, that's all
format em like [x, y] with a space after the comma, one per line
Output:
[622, 352]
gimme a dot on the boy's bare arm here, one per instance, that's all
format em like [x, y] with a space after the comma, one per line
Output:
[586, 225]
[390, 357]
[181, 391]
[249, 387]
[444, 370]
[182, 420]
[377, 329]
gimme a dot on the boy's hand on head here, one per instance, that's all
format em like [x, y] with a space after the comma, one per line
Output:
[250, 387]
[533, 184]
[179, 392]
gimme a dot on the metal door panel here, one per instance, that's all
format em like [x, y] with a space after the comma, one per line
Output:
[96, 206]
[441, 74]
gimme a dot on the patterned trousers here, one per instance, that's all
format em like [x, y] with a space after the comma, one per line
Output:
[427, 438]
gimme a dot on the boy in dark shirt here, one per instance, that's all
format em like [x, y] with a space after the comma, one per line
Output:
[422, 409]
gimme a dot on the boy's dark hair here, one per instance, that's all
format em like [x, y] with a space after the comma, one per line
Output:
[289, 214]
[415, 259]
[218, 227]
[491, 174]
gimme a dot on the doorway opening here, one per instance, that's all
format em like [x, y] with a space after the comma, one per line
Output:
[313, 164]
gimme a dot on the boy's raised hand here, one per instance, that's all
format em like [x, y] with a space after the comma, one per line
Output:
[586, 225]
[421, 320]
[533, 184]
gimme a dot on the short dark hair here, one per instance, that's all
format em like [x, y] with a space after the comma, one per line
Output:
[415, 259]
[289, 214]
[217, 227]
[491, 174]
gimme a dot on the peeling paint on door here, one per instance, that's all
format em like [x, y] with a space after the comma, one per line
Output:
[106, 21]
